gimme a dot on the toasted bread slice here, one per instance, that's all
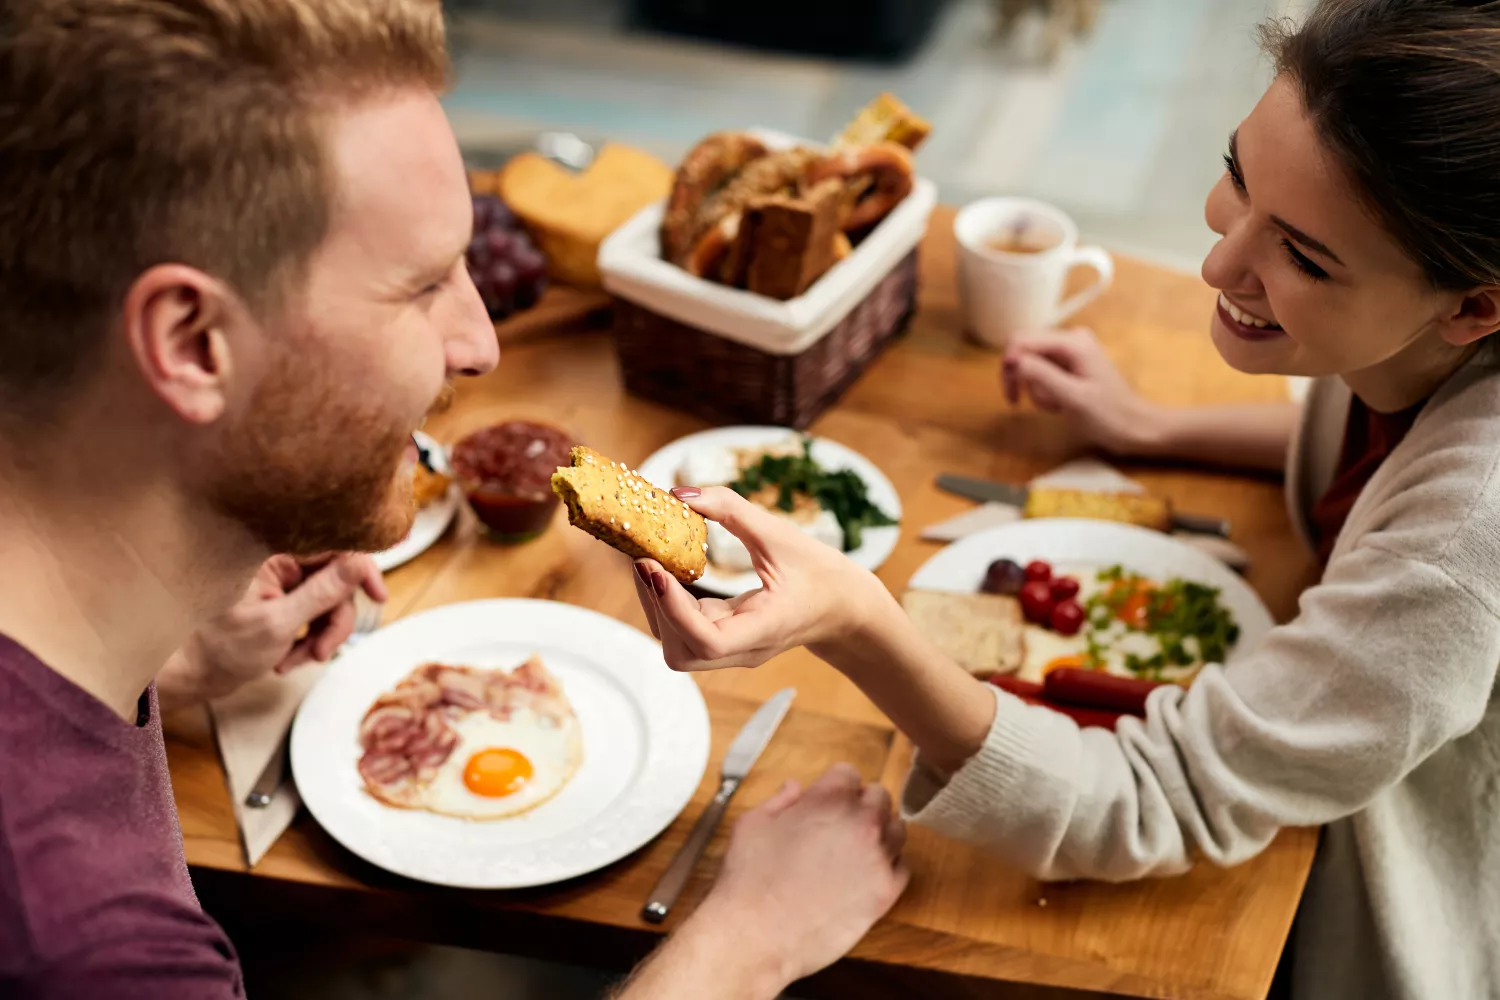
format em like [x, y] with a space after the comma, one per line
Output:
[984, 633]
[1130, 508]
[885, 119]
[429, 487]
[618, 507]
[794, 239]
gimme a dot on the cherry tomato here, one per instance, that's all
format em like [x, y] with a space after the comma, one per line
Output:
[1037, 602]
[1064, 588]
[1038, 570]
[1067, 617]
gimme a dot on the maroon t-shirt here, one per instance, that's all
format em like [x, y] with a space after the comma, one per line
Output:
[95, 901]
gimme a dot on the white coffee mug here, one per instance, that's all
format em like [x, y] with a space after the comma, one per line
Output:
[1014, 257]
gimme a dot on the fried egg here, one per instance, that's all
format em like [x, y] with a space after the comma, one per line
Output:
[1046, 649]
[505, 767]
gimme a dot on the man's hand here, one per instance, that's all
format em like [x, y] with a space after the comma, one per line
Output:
[293, 613]
[806, 875]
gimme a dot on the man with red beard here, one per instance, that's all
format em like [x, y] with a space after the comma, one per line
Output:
[232, 283]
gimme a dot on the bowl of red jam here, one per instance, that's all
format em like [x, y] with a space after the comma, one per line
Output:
[505, 472]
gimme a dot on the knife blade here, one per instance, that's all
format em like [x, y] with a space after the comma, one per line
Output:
[743, 753]
[1015, 495]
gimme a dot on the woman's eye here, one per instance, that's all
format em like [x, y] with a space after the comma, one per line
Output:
[1233, 170]
[1302, 263]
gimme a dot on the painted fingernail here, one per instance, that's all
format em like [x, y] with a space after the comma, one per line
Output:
[659, 582]
[642, 572]
[687, 492]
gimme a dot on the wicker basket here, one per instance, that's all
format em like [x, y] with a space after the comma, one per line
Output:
[728, 382]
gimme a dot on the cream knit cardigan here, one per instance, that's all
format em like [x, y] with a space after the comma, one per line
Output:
[1370, 712]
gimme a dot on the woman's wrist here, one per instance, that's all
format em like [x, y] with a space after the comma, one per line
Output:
[1150, 431]
[862, 605]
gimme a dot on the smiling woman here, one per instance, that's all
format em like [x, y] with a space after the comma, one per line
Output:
[1360, 244]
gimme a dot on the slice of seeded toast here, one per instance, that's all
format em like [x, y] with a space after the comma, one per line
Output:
[618, 507]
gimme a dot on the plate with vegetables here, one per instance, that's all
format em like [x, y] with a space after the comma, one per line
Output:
[1034, 597]
[831, 492]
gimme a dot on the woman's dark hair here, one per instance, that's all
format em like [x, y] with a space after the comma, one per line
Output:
[1407, 95]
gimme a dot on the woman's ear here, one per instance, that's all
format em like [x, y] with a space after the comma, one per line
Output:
[1477, 316]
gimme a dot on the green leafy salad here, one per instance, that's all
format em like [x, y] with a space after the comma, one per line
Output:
[842, 493]
[1185, 620]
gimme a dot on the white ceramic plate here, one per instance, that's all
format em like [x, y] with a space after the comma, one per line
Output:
[961, 566]
[645, 739]
[661, 470]
[431, 520]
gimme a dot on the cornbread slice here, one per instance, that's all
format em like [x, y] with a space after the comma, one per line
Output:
[568, 215]
[885, 119]
[983, 633]
[1129, 508]
[618, 507]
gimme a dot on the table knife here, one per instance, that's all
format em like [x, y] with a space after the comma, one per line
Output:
[742, 755]
[1014, 494]
[270, 779]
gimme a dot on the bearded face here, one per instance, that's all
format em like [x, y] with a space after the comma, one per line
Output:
[316, 466]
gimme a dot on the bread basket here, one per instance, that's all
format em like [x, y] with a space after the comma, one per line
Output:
[731, 356]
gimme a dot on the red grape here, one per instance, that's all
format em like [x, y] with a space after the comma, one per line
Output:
[529, 264]
[506, 267]
[1004, 576]
[500, 243]
[1038, 570]
[1037, 603]
[1067, 617]
[502, 278]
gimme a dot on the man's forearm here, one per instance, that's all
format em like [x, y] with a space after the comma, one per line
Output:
[705, 960]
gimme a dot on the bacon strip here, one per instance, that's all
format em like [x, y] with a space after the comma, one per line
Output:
[408, 733]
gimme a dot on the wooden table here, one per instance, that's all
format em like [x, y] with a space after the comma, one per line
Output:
[970, 925]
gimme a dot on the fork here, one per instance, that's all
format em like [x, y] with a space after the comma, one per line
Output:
[368, 615]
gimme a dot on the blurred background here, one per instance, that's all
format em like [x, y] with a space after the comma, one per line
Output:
[1122, 127]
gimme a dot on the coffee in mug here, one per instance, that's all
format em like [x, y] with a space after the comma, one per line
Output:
[1014, 257]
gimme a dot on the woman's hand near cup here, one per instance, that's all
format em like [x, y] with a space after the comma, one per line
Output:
[1068, 372]
[811, 593]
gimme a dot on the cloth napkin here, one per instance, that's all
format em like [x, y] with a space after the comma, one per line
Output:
[250, 727]
[1083, 474]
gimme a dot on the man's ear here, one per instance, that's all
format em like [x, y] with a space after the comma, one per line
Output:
[1476, 317]
[174, 319]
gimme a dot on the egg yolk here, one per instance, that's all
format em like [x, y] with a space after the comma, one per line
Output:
[496, 773]
[1063, 662]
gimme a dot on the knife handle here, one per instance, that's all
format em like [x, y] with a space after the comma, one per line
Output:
[670, 885]
[1200, 524]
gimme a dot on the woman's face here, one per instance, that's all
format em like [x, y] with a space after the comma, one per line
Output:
[1310, 283]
